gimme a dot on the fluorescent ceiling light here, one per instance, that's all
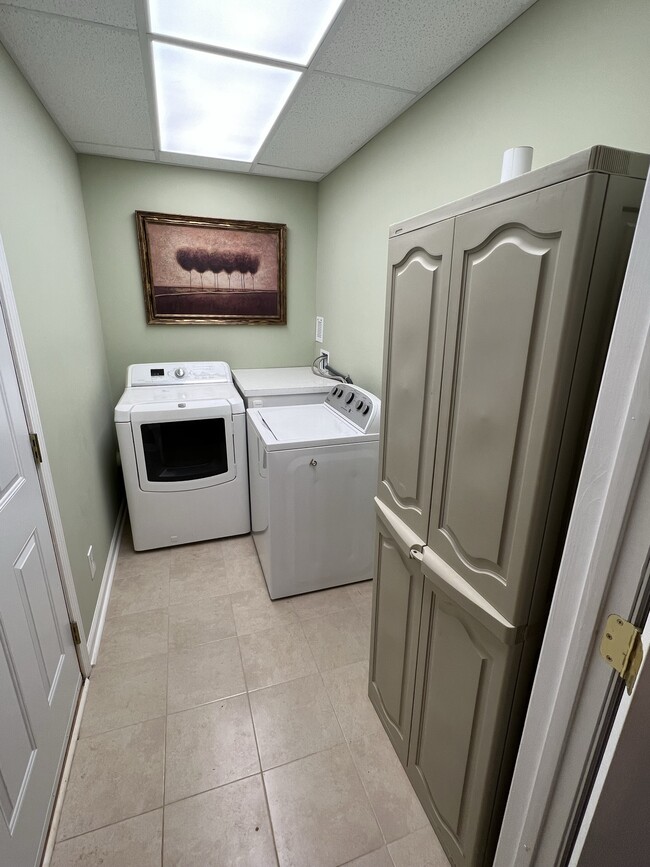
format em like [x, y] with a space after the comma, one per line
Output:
[215, 106]
[288, 30]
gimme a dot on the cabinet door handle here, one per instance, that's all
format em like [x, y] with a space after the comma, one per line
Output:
[416, 553]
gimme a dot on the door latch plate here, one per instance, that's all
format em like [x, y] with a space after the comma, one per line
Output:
[621, 647]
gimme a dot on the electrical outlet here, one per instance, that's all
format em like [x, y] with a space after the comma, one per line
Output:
[320, 325]
[91, 561]
[326, 353]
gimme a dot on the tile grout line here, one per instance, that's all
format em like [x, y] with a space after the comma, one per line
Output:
[164, 792]
[259, 759]
[108, 824]
[347, 743]
[212, 789]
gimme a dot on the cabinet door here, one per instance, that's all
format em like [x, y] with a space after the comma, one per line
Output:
[520, 272]
[464, 689]
[418, 286]
[395, 625]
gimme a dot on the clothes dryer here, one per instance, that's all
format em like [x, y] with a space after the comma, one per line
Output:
[181, 430]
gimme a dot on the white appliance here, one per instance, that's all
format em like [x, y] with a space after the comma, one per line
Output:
[281, 386]
[313, 472]
[181, 429]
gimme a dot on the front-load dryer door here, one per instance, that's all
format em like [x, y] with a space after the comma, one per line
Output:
[184, 446]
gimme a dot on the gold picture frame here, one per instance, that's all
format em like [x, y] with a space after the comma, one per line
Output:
[210, 271]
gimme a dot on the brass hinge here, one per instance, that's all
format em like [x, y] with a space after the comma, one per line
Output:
[36, 449]
[75, 632]
[622, 648]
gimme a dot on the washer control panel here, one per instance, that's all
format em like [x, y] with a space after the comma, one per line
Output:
[355, 404]
[176, 372]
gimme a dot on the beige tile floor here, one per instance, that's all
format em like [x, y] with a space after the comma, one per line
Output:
[225, 729]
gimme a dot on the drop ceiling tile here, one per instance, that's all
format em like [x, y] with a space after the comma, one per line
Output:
[282, 172]
[102, 150]
[118, 13]
[413, 43]
[329, 119]
[89, 77]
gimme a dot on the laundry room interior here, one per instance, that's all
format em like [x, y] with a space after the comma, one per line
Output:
[244, 704]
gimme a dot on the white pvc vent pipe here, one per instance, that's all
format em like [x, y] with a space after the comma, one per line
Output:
[516, 161]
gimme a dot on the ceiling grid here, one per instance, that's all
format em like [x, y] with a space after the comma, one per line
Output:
[90, 63]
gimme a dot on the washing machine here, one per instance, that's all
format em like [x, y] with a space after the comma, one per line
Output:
[181, 430]
[313, 473]
[280, 386]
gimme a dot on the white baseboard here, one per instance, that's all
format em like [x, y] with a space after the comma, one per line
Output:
[65, 777]
[95, 634]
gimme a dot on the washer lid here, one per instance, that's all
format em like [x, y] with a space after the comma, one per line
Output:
[282, 427]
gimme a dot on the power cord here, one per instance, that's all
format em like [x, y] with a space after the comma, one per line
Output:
[321, 368]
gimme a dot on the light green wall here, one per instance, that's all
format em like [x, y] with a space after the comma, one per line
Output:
[44, 233]
[563, 77]
[114, 189]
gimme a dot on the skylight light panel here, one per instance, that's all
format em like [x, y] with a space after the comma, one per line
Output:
[215, 106]
[288, 30]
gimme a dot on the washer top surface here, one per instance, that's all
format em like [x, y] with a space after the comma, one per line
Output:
[267, 381]
[335, 421]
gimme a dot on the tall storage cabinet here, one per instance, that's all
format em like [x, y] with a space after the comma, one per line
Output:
[499, 310]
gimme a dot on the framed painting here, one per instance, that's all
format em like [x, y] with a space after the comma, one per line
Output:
[205, 271]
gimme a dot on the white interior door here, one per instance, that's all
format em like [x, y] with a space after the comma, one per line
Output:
[39, 671]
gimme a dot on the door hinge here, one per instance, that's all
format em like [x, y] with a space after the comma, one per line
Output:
[36, 449]
[622, 648]
[74, 629]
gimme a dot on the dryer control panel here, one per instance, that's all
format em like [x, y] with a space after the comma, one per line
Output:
[356, 405]
[178, 373]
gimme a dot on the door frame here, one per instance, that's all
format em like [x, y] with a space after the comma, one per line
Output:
[561, 744]
[30, 406]
[609, 755]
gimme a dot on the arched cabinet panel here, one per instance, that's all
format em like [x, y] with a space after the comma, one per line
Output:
[464, 688]
[395, 629]
[415, 334]
[512, 338]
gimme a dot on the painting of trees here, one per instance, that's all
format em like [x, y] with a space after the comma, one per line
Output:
[175, 250]
[216, 261]
[185, 258]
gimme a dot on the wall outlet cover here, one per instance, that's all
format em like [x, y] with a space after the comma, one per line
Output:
[320, 326]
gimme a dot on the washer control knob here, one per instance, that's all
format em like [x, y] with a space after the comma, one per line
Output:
[359, 404]
[350, 397]
[366, 410]
[179, 373]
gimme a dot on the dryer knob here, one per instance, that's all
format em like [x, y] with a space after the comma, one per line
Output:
[179, 373]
